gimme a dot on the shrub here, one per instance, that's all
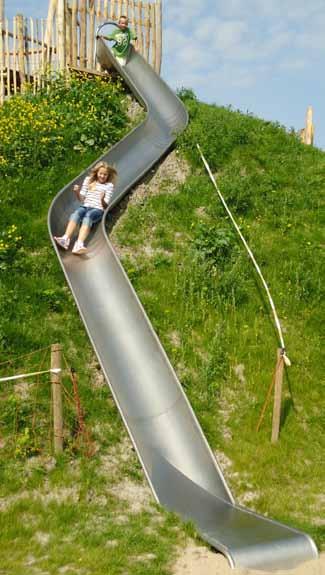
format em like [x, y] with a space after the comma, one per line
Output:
[74, 113]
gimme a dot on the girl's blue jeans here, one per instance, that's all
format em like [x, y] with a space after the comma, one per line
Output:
[87, 216]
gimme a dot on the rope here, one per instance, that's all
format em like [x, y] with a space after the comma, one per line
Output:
[21, 376]
[251, 255]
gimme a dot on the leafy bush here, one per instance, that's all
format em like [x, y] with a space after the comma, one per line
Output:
[74, 113]
[214, 245]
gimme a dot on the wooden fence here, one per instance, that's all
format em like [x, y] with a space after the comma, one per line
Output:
[30, 47]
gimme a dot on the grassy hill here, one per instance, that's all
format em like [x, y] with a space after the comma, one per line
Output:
[205, 303]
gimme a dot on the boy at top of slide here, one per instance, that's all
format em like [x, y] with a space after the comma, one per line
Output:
[122, 37]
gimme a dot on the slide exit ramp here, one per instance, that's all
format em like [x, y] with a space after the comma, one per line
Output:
[177, 460]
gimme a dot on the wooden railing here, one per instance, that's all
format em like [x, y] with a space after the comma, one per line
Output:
[30, 47]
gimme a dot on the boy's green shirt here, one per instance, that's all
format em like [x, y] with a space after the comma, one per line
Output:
[122, 39]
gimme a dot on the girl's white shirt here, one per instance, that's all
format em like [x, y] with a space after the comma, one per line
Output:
[92, 194]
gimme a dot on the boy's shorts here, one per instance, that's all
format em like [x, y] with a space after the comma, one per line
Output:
[87, 216]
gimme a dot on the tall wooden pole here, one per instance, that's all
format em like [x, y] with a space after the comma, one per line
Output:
[158, 37]
[278, 379]
[83, 33]
[309, 129]
[21, 50]
[61, 35]
[49, 22]
[2, 10]
[2, 20]
[56, 352]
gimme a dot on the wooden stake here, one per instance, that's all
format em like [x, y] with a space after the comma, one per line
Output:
[7, 62]
[49, 25]
[153, 36]
[158, 37]
[68, 34]
[91, 38]
[139, 27]
[278, 380]
[15, 56]
[61, 34]
[21, 59]
[147, 31]
[309, 130]
[105, 9]
[74, 26]
[83, 34]
[2, 19]
[112, 10]
[56, 363]
[2, 86]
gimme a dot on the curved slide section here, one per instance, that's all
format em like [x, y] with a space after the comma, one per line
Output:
[177, 460]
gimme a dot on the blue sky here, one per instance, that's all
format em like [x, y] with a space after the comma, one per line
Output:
[265, 57]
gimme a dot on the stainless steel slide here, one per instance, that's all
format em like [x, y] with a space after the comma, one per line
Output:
[177, 460]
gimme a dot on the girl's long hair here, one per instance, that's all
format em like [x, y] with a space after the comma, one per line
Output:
[112, 173]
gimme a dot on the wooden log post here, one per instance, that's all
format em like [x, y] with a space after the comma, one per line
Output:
[139, 27]
[83, 33]
[105, 9]
[61, 34]
[68, 34]
[56, 353]
[2, 19]
[119, 9]
[158, 37]
[2, 86]
[21, 46]
[48, 32]
[153, 36]
[278, 380]
[147, 31]
[309, 129]
[133, 21]
[91, 38]
[112, 10]
[74, 32]
[7, 58]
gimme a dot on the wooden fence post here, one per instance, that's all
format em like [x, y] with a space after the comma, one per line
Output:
[61, 34]
[83, 33]
[91, 37]
[139, 28]
[21, 58]
[48, 32]
[309, 129]
[277, 396]
[56, 351]
[158, 32]
[2, 19]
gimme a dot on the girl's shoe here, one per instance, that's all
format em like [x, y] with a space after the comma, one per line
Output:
[62, 242]
[79, 248]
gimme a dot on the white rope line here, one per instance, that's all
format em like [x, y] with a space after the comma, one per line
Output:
[251, 255]
[21, 376]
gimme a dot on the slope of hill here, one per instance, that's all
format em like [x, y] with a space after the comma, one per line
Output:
[81, 514]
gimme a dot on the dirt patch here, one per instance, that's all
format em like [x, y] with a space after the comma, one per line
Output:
[201, 560]
[137, 495]
[112, 462]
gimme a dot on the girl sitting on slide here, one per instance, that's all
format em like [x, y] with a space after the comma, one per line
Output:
[95, 194]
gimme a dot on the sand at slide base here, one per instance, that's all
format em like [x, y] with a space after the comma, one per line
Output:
[201, 561]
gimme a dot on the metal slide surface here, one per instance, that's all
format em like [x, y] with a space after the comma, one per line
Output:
[177, 460]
